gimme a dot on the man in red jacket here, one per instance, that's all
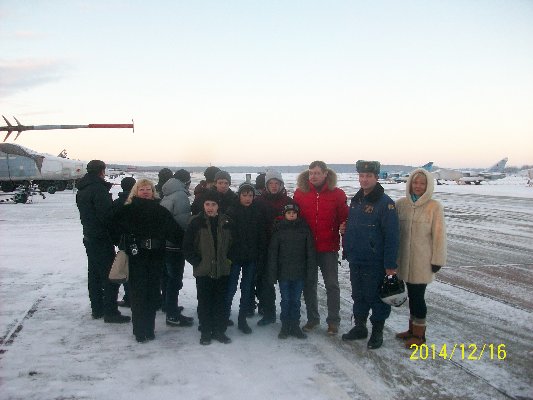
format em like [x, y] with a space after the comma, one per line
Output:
[323, 206]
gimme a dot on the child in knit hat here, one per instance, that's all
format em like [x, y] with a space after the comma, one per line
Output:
[291, 261]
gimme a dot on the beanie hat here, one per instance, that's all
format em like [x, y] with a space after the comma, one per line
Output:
[223, 175]
[165, 174]
[246, 186]
[260, 181]
[291, 207]
[95, 166]
[211, 195]
[127, 183]
[363, 166]
[273, 174]
[183, 175]
[210, 172]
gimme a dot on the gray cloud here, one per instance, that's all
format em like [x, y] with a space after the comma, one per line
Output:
[25, 74]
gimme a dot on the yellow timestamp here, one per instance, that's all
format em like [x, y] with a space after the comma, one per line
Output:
[461, 351]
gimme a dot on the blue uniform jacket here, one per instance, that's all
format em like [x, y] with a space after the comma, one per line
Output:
[372, 231]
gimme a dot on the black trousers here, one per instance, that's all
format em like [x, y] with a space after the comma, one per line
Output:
[417, 302]
[266, 293]
[102, 293]
[211, 295]
[145, 275]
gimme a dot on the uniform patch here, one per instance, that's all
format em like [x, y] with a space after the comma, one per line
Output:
[369, 209]
[392, 206]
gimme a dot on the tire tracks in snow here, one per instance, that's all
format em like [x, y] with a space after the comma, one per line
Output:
[10, 337]
[335, 352]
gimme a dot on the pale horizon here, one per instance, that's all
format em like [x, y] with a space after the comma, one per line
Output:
[273, 83]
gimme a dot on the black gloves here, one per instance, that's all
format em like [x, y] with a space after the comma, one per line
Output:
[435, 268]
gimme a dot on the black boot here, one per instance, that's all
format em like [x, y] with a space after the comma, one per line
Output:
[376, 338]
[296, 331]
[221, 337]
[359, 331]
[285, 330]
[184, 320]
[243, 325]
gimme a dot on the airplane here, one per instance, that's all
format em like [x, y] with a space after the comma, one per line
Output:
[22, 166]
[400, 177]
[469, 177]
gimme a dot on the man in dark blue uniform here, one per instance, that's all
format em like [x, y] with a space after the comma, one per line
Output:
[96, 207]
[370, 244]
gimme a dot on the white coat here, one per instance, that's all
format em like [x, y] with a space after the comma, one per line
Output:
[422, 234]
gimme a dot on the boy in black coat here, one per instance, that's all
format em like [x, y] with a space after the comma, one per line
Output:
[247, 251]
[291, 259]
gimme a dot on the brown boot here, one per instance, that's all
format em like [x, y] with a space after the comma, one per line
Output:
[419, 336]
[408, 333]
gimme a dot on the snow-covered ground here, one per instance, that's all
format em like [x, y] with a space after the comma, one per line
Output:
[52, 349]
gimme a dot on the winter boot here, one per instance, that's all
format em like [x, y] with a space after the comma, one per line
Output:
[221, 337]
[359, 331]
[285, 330]
[408, 333]
[183, 319]
[376, 338]
[266, 321]
[243, 325]
[419, 336]
[205, 339]
[296, 331]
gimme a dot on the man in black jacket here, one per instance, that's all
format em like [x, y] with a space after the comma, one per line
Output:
[95, 206]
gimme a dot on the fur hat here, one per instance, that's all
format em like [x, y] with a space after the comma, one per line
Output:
[183, 175]
[211, 195]
[95, 166]
[223, 175]
[367, 166]
[273, 174]
[210, 173]
[127, 183]
[246, 186]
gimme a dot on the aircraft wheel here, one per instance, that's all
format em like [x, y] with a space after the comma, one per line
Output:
[51, 189]
[7, 186]
[60, 185]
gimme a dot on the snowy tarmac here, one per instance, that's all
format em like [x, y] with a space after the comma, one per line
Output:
[480, 307]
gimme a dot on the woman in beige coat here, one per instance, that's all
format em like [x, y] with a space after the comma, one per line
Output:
[422, 248]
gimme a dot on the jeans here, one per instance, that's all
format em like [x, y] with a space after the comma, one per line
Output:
[327, 261]
[291, 294]
[102, 292]
[175, 264]
[248, 274]
[366, 281]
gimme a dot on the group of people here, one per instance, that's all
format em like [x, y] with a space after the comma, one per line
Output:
[261, 236]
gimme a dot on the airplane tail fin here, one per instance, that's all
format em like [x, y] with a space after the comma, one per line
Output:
[499, 166]
[428, 167]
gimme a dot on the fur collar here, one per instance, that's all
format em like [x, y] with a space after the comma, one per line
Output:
[304, 185]
[372, 197]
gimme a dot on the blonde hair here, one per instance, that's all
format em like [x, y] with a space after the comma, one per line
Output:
[135, 189]
[416, 175]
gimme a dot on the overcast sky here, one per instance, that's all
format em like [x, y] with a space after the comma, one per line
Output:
[273, 82]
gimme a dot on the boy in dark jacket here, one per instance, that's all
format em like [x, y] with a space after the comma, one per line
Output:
[291, 262]
[205, 245]
[248, 249]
